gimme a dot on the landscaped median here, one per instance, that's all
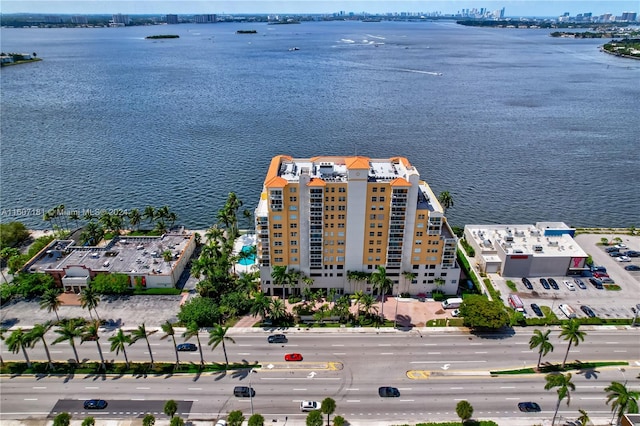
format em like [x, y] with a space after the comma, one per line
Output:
[555, 368]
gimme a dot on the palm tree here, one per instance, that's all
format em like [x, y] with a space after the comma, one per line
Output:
[542, 340]
[219, 335]
[278, 309]
[49, 301]
[149, 420]
[69, 331]
[118, 344]
[149, 213]
[170, 408]
[280, 277]
[381, 282]
[18, 341]
[142, 333]
[446, 200]
[622, 399]
[367, 301]
[409, 276]
[89, 299]
[91, 333]
[191, 331]
[261, 305]
[571, 332]
[167, 327]
[135, 218]
[564, 385]
[584, 417]
[37, 333]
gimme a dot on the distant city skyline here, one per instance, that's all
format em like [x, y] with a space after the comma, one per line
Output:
[513, 8]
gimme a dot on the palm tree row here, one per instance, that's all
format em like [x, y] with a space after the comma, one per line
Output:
[19, 340]
[89, 300]
[570, 332]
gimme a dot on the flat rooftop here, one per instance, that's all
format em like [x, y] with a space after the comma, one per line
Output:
[524, 239]
[122, 255]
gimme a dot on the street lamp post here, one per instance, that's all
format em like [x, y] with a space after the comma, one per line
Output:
[251, 390]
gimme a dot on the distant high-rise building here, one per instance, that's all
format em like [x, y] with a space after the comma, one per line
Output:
[172, 19]
[204, 19]
[52, 19]
[502, 13]
[120, 19]
[79, 19]
[629, 16]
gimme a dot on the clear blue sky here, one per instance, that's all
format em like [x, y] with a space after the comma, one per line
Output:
[513, 7]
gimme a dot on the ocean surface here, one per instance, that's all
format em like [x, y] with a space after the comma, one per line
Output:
[519, 127]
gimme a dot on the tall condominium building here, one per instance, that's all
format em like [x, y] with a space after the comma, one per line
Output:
[334, 219]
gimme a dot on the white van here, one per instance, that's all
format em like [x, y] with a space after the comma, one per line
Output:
[567, 310]
[452, 303]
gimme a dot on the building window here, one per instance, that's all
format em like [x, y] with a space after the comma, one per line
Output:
[277, 234]
[293, 208]
[294, 234]
[419, 234]
[419, 243]
[342, 208]
[293, 199]
[383, 189]
[295, 250]
[277, 226]
[278, 260]
[374, 189]
[277, 217]
[417, 250]
[374, 199]
[370, 250]
[294, 259]
[277, 252]
[341, 189]
[293, 225]
[371, 234]
[293, 242]
[277, 243]
[372, 217]
[379, 234]
[292, 189]
[382, 199]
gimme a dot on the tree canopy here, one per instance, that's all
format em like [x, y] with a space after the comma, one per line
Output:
[479, 312]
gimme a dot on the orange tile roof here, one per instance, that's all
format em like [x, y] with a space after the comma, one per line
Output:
[317, 182]
[275, 166]
[275, 182]
[399, 182]
[355, 163]
[402, 160]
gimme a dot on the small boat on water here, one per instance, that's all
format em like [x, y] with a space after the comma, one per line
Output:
[293, 48]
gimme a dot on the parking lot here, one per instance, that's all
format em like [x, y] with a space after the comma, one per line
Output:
[604, 303]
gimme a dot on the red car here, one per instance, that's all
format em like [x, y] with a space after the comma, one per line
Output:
[293, 357]
[600, 274]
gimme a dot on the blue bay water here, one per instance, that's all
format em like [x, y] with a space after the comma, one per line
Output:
[519, 127]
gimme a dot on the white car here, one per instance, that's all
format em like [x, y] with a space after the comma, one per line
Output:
[569, 285]
[567, 310]
[221, 422]
[309, 406]
[455, 313]
[623, 259]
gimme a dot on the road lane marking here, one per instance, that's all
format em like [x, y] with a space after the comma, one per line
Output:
[244, 353]
[339, 353]
[352, 389]
[299, 389]
[434, 353]
[441, 362]
[384, 344]
[516, 399]
[456, 388]
[612, 343]
[39, 387]
[55, 352]
[476, 344]
[91, 387]
[143, 388]
[430, 344]
[337, 345]
[137, 399]
[407, 400]
[194, 388]
[353, 400]
[244, 345]
[485, 352]
[386, 353]
[507, 387]
[621, 351]
[31, 399]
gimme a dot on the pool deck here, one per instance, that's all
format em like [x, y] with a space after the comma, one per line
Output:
[245, 240]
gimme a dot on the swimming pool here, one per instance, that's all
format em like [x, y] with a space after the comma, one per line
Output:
[247, 260]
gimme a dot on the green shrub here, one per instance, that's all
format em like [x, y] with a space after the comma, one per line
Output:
[512, 285]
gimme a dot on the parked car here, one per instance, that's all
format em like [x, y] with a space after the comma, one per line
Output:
[293, 357]
[553, 284]
[545, 284]
[221, 422]
[595, 268]
[632, 253]
[596, 283]
[588, 311]
[309, 406]
[632, 268]
[388, 392]
[569, 285]
[536, 309]
[567, 310]
[95, 404]
[600, 274]
[607, 280]
[277, 338]
[455, 313]
[623, 259]
[620, 246]
[612, 249]
[580, 283]
[527, 283]
[528, 407]
[186, 347]
[615, 254]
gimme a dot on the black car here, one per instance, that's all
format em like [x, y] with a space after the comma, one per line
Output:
[277, 338]
[553, 284]
[632, 253]
[612, 249]
[536, 309]
[632, 268]
[545, 284]
[596, 283]
[615, 254]
[388, 392]
[95, 404]
[529, 407]
[244, 392]
[187, 347]
[588, 311]
[527, 283]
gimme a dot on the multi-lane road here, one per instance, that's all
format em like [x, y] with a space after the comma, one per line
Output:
[433, 370]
